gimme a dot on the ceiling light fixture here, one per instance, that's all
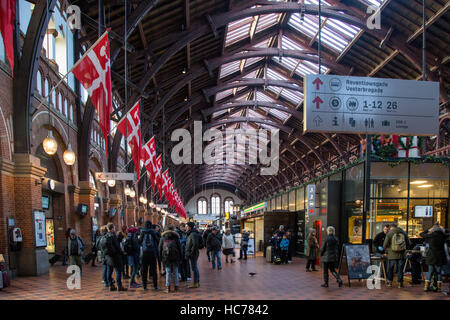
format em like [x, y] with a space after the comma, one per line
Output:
[425, 186]
[418, 182]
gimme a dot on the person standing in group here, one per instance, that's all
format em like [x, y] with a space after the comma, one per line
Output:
[109, 244]
[312, 246]
[244, 245]
[194, 239]
[94, 246]
[214, 245]
[101, 255]
[395, 244]
[228, 245]
[378, 241]
[131, 248]
[149, 248]
[75, 248]
[284, 246]
[157, 230]
[435, 237]
[184, 264]
[330, 256]
[121, 235]
[65, 256]
[170, 252]
[205, 236]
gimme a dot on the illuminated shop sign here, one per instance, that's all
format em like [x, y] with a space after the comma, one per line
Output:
[256, 207]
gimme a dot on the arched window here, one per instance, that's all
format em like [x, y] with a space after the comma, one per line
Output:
[46, 89]
[60, 102]
[71, 112]
[54, 97]
[39, 82]
[64, 111]
[202, 206]
[228, 205]
[215, 204]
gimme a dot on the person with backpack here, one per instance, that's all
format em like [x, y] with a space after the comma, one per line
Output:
[101, 255]
[170, 252]
[214, 245]
[435, 238]
[205, 236]
[121, 235]
[149, 252]
[131, 248]
[184, 264]
[330, 256]
[395, 244]
[75, 248]
[157, 229]
[228, 245]
[194, 243]
[244, 245]
[109, 244]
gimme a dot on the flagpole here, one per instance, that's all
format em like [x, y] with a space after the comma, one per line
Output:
[73, 67]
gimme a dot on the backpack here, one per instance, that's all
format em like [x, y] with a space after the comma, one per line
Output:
[201, 243]
[106, 246]
[147, 243]
[170, 252]
[128, 246]
[398, 242]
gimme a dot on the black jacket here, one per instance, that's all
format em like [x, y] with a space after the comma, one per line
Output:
[330, 249]
[113, 258]
[193, 239]
[214, 242]
[436, 253]
[154, 237]
[378, 241]
[205, 235]
[170, 235]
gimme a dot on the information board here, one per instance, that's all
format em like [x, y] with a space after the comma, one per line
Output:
[39, 228]
[358, 260]
[311, 203]
[344, 104]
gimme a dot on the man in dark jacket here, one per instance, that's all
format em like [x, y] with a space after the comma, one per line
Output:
[104, 232]
[395, 244]
[378, 241]
[170, 253]
[214, 245]
[157, 230]
[436, 257]
[330, 256]
[74, 248]
[205, 235]
[113, 256]
[149, 247]
[131, 248]
[244, 245]
[121, 235]
[184, 264]
[192, 251]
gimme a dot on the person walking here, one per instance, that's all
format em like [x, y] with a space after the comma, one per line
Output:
[284, 246]
[205, 236]
[330, 256]
[170, 252]
[192, 251]
[244, 245]
[395, 244]
[184, 264]
[214, 245]
[435, 238]
[312, 246]
[113, 256]
[157, 229]
[121, 235]
[228, 245]
[149, 249]
[75, 248]
[101, 255]
[131, 248]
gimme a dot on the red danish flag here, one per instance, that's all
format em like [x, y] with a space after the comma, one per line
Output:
[93, 71]
[158, 176]
[149, 155]
[165, 181]
[130, 126]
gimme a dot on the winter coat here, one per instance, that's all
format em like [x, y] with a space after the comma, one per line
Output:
[330, 249]
[97, 245]
[154, 237]
[378, 241]
[193, 239]
[284, 244]
[113, 258]
[435, 238]
[170, 235]
[214, 242]
[228, 241]
[311, 247]
[75, 247]
[244, 239]
[387, 245]
[205, 235]
[134, 244]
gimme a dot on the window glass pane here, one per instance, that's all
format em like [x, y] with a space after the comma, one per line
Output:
[385, 211]
[285, 204]
[354, 183]
[387, 181]
[278, 203]
[423, 213]
[429, 180]
[300, 199]
[292, 200]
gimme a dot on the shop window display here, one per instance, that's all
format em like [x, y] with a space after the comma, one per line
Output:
[429, 180]
[423, 213]
[389, 182]
[285, 203]
[278, 203]
[292, 200]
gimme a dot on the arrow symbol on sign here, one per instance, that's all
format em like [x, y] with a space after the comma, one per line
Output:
[317, 82]
[317, 101]
[318, 120]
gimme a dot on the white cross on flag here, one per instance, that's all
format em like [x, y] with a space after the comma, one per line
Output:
[165, 181]
[130, 127]
[171, 195]
[149, 155]
[93, 71]
[158, 175]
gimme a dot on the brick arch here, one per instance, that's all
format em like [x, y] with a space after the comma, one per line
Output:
[40, 119]
[5, 137]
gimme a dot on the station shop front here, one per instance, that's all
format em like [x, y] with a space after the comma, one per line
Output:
[412, 194]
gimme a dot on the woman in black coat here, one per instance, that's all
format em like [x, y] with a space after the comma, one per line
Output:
[330, 256]
[436, 257]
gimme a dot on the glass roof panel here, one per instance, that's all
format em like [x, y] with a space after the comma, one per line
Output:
[229, 68]
[266, 21]
[238, 30]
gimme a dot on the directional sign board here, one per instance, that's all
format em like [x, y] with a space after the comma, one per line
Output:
[115, 176]
[370, 105]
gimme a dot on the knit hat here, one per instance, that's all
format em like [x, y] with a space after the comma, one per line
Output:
[191, 225]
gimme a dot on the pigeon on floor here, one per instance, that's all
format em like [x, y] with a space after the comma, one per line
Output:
[251, 274]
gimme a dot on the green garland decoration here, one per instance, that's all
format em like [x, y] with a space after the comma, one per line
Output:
[393, 162]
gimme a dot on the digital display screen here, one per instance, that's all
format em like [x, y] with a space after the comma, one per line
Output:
[82, 209]
[45, 202]
[423, 211]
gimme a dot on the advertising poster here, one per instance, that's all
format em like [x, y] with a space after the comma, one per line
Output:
[50, 232]
[39, 228]
[251, 246]
[358, 260]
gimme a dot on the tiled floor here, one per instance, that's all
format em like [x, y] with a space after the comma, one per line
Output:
[233, 282]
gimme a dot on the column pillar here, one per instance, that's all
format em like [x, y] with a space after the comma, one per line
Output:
[142, 213]
[28, 173]
[84, 227]
[115, 202]
[130, 213]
